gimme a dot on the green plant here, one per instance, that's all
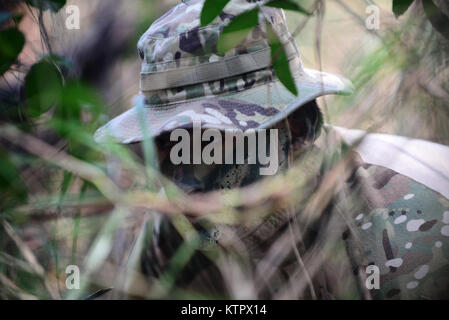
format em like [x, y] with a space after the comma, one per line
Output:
[240, 27]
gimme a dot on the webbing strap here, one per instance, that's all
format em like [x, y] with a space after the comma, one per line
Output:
[206, 72]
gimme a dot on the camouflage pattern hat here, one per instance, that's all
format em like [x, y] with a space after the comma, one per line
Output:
[184, 79]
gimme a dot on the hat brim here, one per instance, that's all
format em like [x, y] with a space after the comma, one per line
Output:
[255, 108]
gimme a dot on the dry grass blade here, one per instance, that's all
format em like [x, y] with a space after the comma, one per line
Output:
[15, 290]
[24, 249]
[30, 258]
[45, 151]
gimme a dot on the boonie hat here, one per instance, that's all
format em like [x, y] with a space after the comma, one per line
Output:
[184, 80]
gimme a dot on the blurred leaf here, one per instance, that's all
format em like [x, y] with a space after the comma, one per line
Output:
[237, 30]
[12, 188]
[66, 181]
[287, 5]
[11, 44]
[211, 10]
[437, 18]
[53, 5]
[76, 115]
[11, 109]
[400, 6]
[280, 61]
[43, 86]
[76, 97]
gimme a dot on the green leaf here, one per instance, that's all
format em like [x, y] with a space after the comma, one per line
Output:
[43, 87]
[12, 188]
[76, 98]
[287, 5]
[280, 61]
[53, 5]
[400, 6]
[11, 44]
[84, 97]
[237, 30]
[211, 10]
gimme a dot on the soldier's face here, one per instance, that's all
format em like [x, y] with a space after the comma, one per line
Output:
[200, 175]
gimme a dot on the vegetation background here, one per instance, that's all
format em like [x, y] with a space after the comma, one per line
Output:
[59, 206]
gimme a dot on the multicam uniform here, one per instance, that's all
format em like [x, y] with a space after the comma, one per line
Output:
[377, 216]
[395, 223]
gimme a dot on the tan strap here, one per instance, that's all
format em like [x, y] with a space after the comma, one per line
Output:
[206, 72]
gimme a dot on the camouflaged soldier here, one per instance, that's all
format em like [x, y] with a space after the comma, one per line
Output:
[392, 210]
